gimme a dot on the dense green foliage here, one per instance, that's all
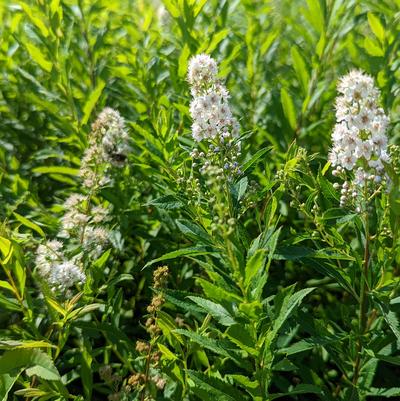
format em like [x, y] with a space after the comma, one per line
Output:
[272, 290]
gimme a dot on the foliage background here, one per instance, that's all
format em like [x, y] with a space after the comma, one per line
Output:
[62, 61]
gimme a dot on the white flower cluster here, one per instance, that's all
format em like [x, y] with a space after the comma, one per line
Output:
[213, 122]
[59, 273]
[108, 145]
[202, 72]
[82, 223]
[85, 223]
[95, 240]
[359, 137]
[212, 117]
[75, 216]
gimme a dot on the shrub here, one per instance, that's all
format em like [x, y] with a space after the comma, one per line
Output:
[200, 200]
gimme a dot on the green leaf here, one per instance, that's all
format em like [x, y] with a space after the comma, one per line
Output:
[240, 335]
[172, 8]
[29, 224]
[178, 298]
[183, 61]
[193, 231]
[372, 47]
[207, 385]
[288, 108]
[187, 252]
[7, 286]
[290, 303]
[255, 158]
[166, 352]
[215, 310]
[376, 26]
[91, 101]
[217, 293]
[239, 189]
[284, 365]
[81, 311]
[394, 360]
[12, 344]
[10, 304]
[54, 6]
[37, 21]
[43, 373]
[218, 346]
[33, 360]
[86, 371]
[56, 170]
[6, 249]
[309, 343]
[216, 39]
[102, 260]
[120, 278]
[315, 15]
[299, 389]
[39, 57]
[384, 392]
[255, 265]
[300, 68]
[198, 6]
[390, 317]
[6, 384]
[31, 392]
[166, 202]
[56, 306]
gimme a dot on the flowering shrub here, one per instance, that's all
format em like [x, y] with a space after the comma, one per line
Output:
[200, 200]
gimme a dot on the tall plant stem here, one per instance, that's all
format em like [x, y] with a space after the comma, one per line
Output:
[147, 372]
[363, 301]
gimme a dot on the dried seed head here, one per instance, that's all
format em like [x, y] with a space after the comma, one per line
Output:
[105, 372]
[156, 303]
[159, 382]
[142, 347]
[160, 276]
[137, 379]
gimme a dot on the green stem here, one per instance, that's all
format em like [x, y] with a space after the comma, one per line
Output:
[363, 301]
[146, 372]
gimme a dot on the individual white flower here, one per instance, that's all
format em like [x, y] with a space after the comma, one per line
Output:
[348, 160]
[360, 177]
[384, 155]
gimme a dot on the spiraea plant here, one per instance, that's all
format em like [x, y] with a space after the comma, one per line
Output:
[84, 234]
[223, 342]
[353, 219]
[73, 270]
[216, 137]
